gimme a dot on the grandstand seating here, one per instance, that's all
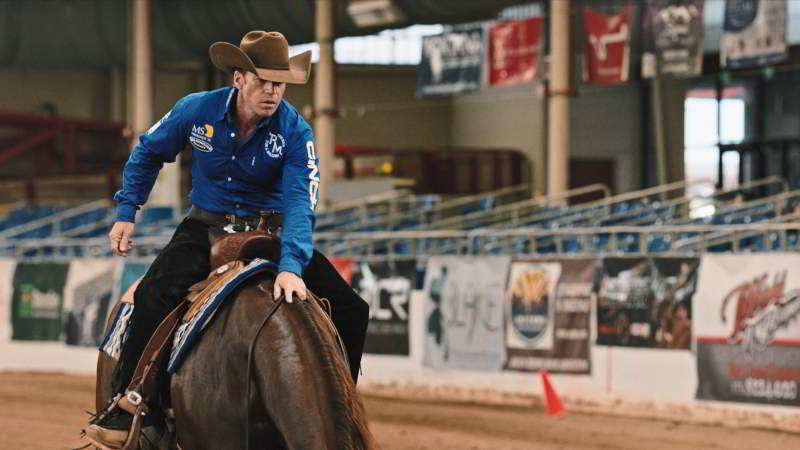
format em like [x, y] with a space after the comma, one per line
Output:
[399, 224]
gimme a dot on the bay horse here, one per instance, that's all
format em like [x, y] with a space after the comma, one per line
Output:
[302, 394]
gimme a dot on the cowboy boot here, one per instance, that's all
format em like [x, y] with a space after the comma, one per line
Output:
[111, 430]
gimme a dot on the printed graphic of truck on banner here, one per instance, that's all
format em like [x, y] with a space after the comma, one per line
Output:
[748, 328]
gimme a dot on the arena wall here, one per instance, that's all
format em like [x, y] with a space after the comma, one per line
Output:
[641, 382]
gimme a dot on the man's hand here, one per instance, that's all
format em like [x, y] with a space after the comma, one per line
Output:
[290, 284]
[120, 237]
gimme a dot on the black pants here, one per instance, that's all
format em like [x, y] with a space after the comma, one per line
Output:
[185, 261]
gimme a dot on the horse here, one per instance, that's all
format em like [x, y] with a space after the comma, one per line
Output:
[302, 395]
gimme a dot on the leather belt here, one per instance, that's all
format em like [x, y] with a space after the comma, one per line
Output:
[233, 223]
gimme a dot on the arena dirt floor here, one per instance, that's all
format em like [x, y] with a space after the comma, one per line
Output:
[45, 411]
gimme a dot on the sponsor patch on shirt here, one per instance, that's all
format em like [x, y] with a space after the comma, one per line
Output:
[274, 145]
[201, 137]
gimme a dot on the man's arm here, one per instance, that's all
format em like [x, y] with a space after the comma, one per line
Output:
[162, 142]
[300, 185]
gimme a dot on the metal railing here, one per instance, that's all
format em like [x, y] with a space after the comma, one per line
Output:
[513, 211]
[623, 240]
[442, 210]
[56, 221]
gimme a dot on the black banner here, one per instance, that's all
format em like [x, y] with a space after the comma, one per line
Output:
[37, 301]
[646, 302]
[672, 33]
[548, 315]
[387, 289]
[451, 62]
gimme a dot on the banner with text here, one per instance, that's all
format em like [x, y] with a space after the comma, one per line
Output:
[6, 279]
[464, 312]
[387, 288]
[37, 301]
[748, 329]
[754, 33]
[646, 302]
[607, 46]
[672, 34]
[87, 296]
[451, 63]
[548, 315]
[515, 50]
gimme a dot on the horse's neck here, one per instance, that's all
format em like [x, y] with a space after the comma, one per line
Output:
[304, 364]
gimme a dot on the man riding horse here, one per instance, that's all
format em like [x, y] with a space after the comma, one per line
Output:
[251, 152]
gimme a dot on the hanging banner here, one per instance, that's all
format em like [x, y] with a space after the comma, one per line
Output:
[87, 296]
[607, 46]
[548, 310]
[451, 63]
[37, 301]
[464, 312]
[748, 329]
[672, 33]
[646, 302]
[514, 51]
[387, 288]
[754, 33]
[7, 267]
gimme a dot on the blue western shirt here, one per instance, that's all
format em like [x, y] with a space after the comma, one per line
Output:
[275, 168]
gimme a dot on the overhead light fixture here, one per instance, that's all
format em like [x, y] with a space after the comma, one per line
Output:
[374, 13]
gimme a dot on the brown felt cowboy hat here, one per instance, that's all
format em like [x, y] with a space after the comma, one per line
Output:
[266, 54]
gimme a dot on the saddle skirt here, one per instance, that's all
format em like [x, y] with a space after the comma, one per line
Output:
[206, 298]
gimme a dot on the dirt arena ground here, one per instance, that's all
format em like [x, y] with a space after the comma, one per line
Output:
[45, 411]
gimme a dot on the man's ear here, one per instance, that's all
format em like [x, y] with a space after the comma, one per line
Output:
[238, 79]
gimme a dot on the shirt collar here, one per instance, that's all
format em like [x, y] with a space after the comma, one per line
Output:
[230, 106]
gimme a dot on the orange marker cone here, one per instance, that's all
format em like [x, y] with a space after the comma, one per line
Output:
[552, 402]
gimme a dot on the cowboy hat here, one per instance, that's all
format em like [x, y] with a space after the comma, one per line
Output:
[266, 54]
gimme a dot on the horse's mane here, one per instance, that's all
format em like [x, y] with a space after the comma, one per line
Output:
[350, 420]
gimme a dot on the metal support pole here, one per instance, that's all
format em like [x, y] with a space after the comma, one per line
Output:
[325, 98]
[166, 191]
[558, 104]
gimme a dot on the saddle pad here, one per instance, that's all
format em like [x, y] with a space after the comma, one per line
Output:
[112, 342]
[200, 315]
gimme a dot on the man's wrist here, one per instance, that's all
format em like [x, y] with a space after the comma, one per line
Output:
[126, 213]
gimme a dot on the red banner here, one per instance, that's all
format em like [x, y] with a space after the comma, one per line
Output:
[514, 49]
[344, 266]
[607, 50]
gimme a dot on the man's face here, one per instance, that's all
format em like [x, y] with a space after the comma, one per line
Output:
[260, 97]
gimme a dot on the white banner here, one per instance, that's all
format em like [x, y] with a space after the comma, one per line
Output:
[464, 312]
[748, 299]
[755, 33]
[87, 299]
[6, 289]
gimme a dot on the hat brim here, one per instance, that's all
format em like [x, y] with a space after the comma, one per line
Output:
[227, 57]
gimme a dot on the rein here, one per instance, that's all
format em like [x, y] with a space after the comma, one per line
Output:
[280, 300]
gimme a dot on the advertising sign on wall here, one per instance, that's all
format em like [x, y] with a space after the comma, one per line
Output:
[387, 288]
[646, 302]
[464, 312]
[748, 329]
[87, 297]
[37, 301]
[548, 312]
